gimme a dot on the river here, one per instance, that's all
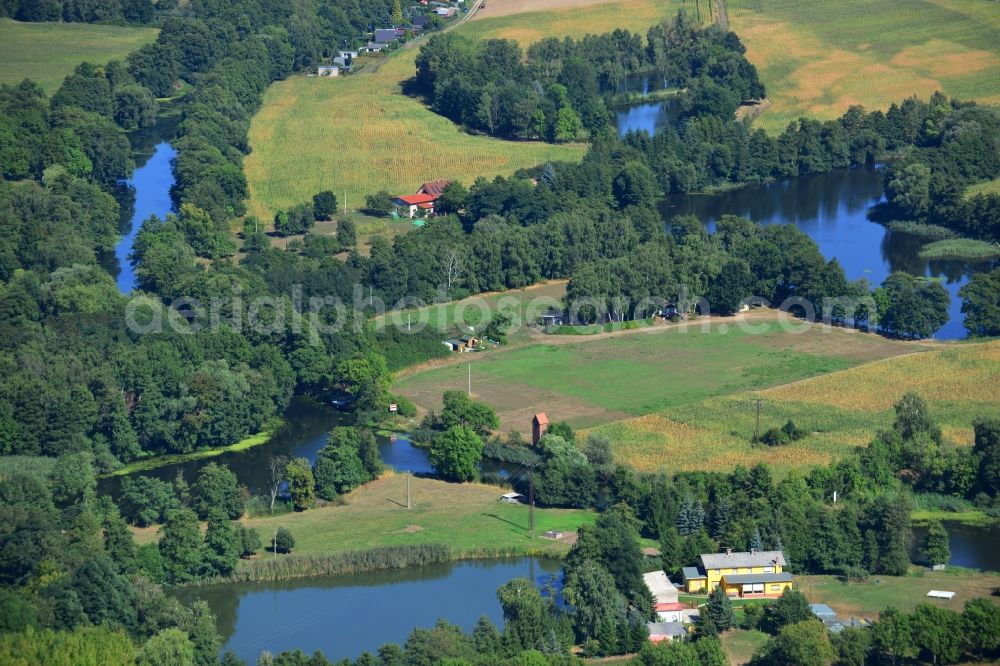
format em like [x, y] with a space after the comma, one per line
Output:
[831, 208]
[346, 615]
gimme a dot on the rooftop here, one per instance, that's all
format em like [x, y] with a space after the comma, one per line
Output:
[435, 187]
[541, 418]
[666, 629]
[416, 199]
[660, 587]
[822, 611]
[743, 579]
[692, 573]
[760, 558]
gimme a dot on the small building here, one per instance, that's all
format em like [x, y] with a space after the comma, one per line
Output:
[665, 600]
[384, 35]
[470, 341]
[666, 631]
[328, 70]
[347, 55]
[434, 188]
[454, 344]
[511, 498]
[409, 204]
[941, 594]
[552, 317]
[553, 534]
[420, 21]
[694, 580]
[445, 11]
[756, 585]
[539, 424]
[823, 612]
[374, 47]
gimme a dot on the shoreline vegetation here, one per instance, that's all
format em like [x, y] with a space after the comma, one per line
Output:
[969, 518]
[960, 248]
[153, 462]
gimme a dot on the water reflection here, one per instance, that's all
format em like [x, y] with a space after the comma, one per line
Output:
[971, 547]
[832, 209]
[345, 615]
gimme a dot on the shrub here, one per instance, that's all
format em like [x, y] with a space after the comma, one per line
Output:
[404, 406]
[282, 541]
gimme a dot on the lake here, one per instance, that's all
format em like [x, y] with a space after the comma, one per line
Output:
[346, 615]
[971, 547]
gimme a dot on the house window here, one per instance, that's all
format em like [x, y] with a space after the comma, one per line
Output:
[776, 588]
[768, 569]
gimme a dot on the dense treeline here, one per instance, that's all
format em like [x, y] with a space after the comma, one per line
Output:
[132, 12]
[557, 93]
[75, 583]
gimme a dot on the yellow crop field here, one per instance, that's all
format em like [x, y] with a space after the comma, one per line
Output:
[361, 134]
[840, 411]
[818, 58]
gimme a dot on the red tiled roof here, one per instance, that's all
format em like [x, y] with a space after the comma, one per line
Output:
[414, 199]
[541, 418]
[435, 187]
[666, 606]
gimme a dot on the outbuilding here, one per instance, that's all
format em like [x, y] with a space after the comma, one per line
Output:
[666, 631]
[511, 498]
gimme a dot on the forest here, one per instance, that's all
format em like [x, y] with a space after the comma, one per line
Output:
[561, 90]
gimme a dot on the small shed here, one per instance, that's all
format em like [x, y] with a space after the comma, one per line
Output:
[552, 317]
[454, 344]
[665, 631]
[539, 424]
[511, 498]
[470, 341]
[328, 70]
[823, 612]
[384, 35]
[553, 534]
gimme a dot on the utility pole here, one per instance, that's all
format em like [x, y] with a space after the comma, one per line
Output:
[274, 543]
[407, 490]
[531, 502]
[756, 430]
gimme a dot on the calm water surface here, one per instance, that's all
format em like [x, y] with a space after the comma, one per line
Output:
[345, 615]
[971, 547]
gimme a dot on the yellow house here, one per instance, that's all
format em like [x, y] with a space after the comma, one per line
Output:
[716, 566]
[756, 585]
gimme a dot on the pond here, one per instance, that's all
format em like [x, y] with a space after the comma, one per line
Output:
[647, 116]
[346, 615]
[971, 547]
[832, 209]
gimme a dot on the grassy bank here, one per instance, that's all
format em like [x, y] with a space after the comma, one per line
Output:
[839, 411]
[930, 232]
[146, 464]
[972, 518]
[48, 52]
[818, 58]
[596, 379]
[467, 518]
[960, 248]
[989, 187]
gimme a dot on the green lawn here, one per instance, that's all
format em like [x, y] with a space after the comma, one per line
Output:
[739, 645]
[589, 380]
[902, 592]
[468, 517]
[47, 52]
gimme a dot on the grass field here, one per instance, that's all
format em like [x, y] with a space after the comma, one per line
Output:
[840, 411]
[359, 134]
[989, 187]
[468, 517]
[739, 645]
[47, 52]
[904, 592]
[598, 379]
[528, 21]
[816, 58]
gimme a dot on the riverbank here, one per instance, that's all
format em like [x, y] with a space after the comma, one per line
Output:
[153, 462]
[468, 519]
[974, 518]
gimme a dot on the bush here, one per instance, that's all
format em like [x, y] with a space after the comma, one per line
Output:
[783, 435]
[853, 574]
[379, 203]
[249, 539]
[296, 220]
[324, 205]
[283, 541]
[404, 406]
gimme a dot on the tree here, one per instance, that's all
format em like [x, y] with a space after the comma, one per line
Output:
[324, 205]
[731, 287]
[301, 483]
[276, 466]
[935, 547]
[804, 643]
[170, 646]
[909, 189]
[937, 633]
[216, 488]
[367, 378]
[347, 235]
[599, 609]
[791, 607]
[180, 545]
[981, 303]
[461, 410]
[455, 453]
[635, 185]
[200, 627]
[524, 613]
[146, 500]
[891, 637]
[223, 546]
[981, 625]
[397, 13]
[720, 609]
[249, 540]
[379, 203]
[987, 447]
[282, 541]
